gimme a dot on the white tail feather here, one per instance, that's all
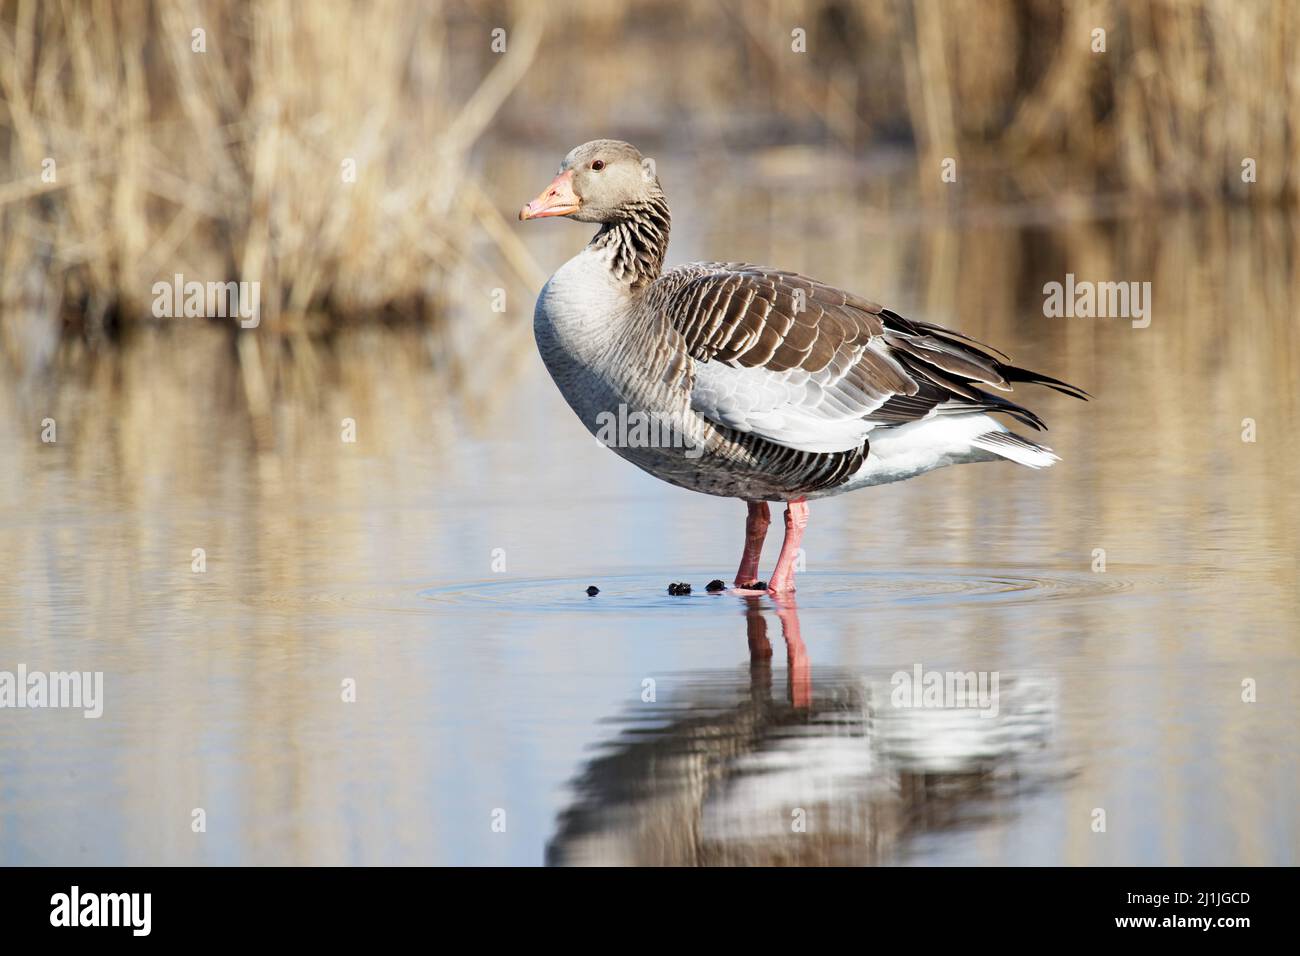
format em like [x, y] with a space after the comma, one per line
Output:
[1016, 448]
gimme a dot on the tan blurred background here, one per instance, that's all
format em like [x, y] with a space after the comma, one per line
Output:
[225, 164]
[377, 306]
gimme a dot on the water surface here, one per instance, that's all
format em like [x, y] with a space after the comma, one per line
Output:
[440, 562]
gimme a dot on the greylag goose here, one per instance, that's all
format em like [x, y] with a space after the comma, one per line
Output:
[747, 382]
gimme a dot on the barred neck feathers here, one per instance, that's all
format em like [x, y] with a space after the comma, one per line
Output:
[636, 242]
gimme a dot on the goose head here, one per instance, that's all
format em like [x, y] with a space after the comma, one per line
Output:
[600, 181]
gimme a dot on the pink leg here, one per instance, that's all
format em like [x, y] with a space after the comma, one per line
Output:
[760, 648]
[796, 654]
[796, 519]
[755, 531]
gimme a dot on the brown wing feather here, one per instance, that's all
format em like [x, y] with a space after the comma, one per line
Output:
[863, 357]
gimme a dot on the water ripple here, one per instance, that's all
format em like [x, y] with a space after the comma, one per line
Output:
[932, 586]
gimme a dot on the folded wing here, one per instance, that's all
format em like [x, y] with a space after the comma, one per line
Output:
[817, 369]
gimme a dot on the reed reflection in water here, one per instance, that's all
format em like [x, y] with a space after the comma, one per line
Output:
[478, 690]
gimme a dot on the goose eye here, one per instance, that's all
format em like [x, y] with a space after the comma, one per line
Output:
[598, 165]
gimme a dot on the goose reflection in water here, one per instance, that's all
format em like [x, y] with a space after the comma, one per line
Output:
[722, 770]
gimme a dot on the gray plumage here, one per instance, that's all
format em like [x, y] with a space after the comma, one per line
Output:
[761, 384]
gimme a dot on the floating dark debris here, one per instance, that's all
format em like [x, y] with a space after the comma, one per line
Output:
[715, 585]
[679, 588]
[593, 591]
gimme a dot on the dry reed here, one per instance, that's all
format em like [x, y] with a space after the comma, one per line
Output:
[1184, 91]
[228, 164]
[128, 155]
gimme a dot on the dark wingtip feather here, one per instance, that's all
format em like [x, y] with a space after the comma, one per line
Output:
[1014, 373]
[1025, 416]
[969, 340]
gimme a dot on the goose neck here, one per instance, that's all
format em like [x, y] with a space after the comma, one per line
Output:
[637, 242]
